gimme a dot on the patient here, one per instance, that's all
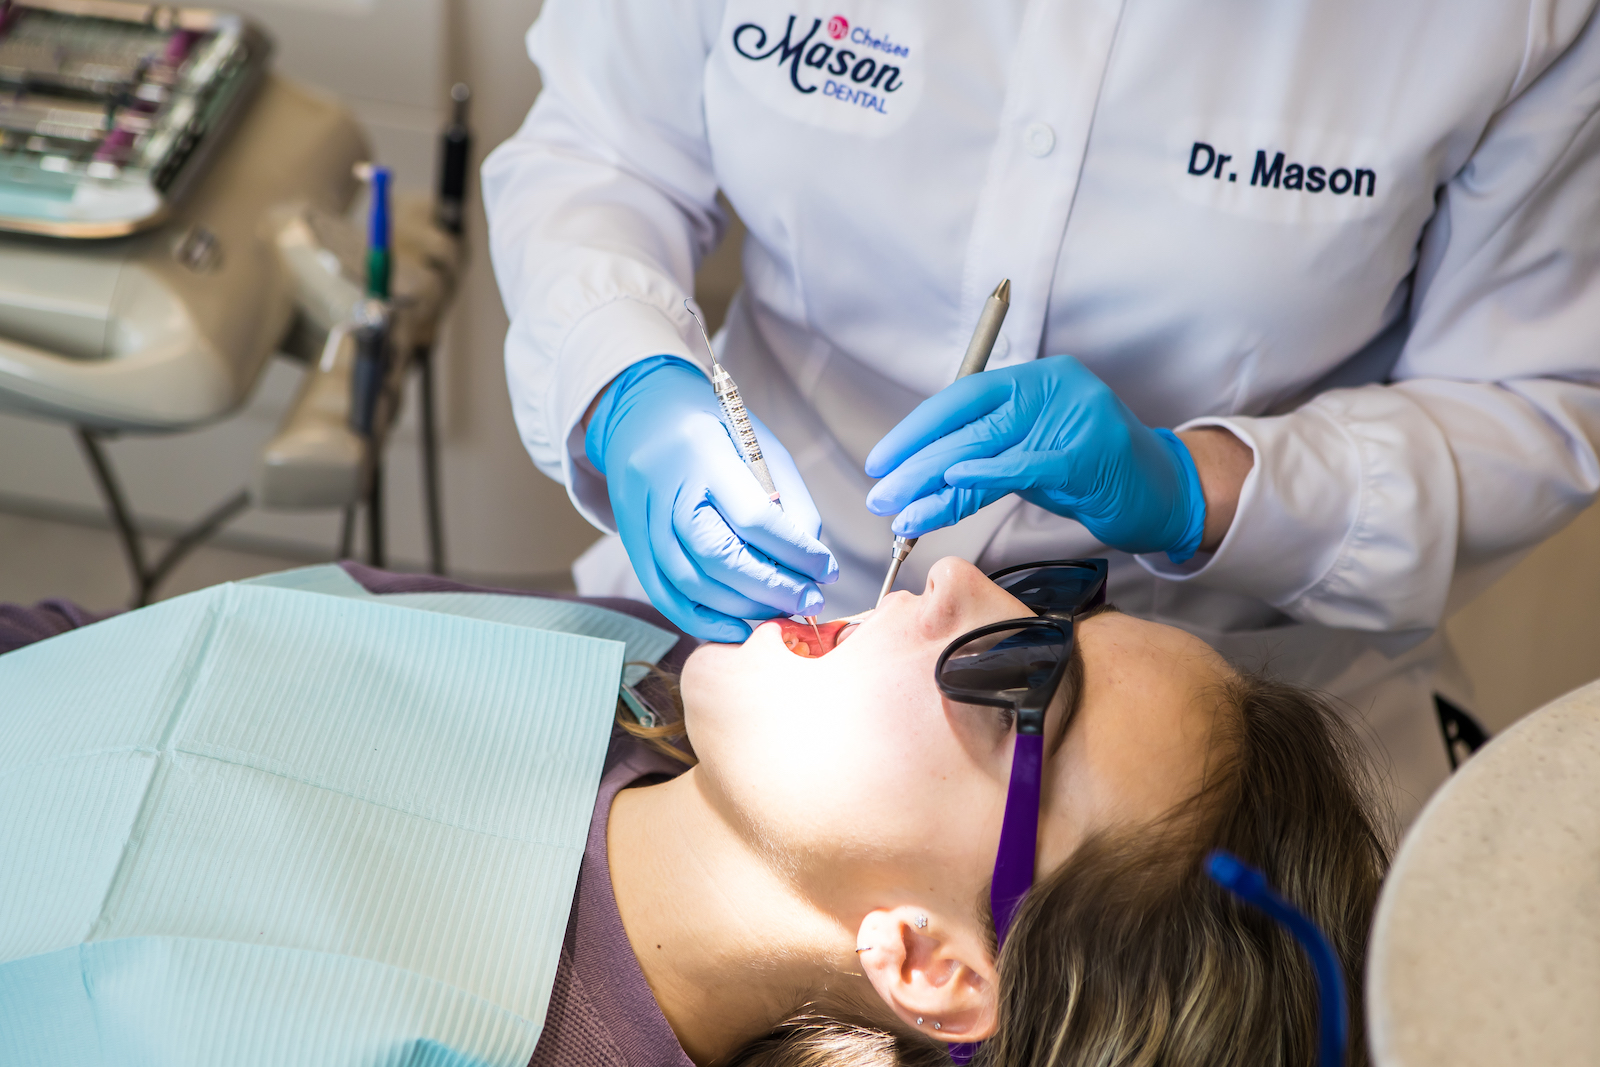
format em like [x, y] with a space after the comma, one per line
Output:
[809, 883]
[815, 889]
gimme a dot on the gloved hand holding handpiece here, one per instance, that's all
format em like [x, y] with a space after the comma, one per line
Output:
[1056, 435]
[709, 546]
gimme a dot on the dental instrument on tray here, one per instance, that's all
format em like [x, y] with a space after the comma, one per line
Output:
[976, 359]
[737, 420]
[455, 150]
[372, 314]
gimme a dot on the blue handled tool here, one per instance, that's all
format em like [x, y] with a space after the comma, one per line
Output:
[372, 314]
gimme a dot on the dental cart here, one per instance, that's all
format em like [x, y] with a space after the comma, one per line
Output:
[171, 215]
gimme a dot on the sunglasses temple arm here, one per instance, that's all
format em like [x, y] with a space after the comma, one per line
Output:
[1019, 834]
[1250, 885]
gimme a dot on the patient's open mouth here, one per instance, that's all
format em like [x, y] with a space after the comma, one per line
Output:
[802, 639]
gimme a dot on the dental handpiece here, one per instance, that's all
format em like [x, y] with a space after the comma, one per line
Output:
[737, 419]
[976, 359]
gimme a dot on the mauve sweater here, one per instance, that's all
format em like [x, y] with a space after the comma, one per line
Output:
[602, 1013]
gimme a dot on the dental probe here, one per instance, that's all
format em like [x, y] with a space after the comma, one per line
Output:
[737, 419]
[977, 358]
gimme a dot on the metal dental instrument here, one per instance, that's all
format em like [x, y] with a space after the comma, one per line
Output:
[977, 357]
[738, 423]
[736, 417]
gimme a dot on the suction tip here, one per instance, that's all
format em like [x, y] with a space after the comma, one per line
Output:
[1002, 292]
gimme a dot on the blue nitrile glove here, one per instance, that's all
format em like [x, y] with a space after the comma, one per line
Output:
[706, 543]
[1054, 434]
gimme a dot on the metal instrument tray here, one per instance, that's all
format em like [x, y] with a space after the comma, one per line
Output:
[110, 110]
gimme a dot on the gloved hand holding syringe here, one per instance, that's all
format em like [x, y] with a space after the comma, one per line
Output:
[706, 533]
[739, 427]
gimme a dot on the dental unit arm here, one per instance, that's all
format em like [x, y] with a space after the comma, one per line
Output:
[319, 457]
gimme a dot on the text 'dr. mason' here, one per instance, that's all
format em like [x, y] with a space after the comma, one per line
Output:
[1208, 162]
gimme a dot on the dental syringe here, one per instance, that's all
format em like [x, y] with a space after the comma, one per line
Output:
[743, 433]
[977, 358]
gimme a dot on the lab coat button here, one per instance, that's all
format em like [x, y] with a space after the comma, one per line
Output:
[1039, 138]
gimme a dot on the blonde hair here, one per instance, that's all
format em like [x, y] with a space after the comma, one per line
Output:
[661, 691]
[1128, 955]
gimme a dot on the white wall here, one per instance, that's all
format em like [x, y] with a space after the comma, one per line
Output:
[391, 62]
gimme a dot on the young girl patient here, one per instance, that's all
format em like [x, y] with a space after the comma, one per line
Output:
[815, 888]
[811, 883]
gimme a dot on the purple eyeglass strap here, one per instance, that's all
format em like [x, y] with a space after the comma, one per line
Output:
[1019, 834]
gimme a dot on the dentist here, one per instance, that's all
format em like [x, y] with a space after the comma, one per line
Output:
[1304, 332]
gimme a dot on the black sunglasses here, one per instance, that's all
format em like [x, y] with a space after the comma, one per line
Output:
[1019, 664]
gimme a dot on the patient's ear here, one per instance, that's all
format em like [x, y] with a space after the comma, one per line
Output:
[931, 970]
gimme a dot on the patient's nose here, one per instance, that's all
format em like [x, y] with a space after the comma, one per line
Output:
[954, 591]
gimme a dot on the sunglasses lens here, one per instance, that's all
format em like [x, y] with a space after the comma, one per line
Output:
[1054, 590]
[1016, 659]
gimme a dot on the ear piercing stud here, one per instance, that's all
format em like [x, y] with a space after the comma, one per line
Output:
[920, 922]
[919, 1020]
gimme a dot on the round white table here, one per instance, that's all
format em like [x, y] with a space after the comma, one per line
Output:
[1486, 947]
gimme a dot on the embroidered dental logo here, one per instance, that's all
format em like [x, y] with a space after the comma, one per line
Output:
[827, 71]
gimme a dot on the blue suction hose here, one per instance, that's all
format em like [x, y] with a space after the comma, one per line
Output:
[1250, 886]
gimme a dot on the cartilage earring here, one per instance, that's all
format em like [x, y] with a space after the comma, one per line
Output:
[936, 1026]
[919, 1020]
[920, 922]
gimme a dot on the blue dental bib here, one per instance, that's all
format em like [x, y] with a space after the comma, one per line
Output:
[260, 825]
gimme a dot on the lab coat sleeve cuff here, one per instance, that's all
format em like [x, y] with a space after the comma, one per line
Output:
[1340, 521]
[600, 346]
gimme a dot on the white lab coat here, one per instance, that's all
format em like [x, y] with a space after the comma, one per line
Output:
[1363, 236]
